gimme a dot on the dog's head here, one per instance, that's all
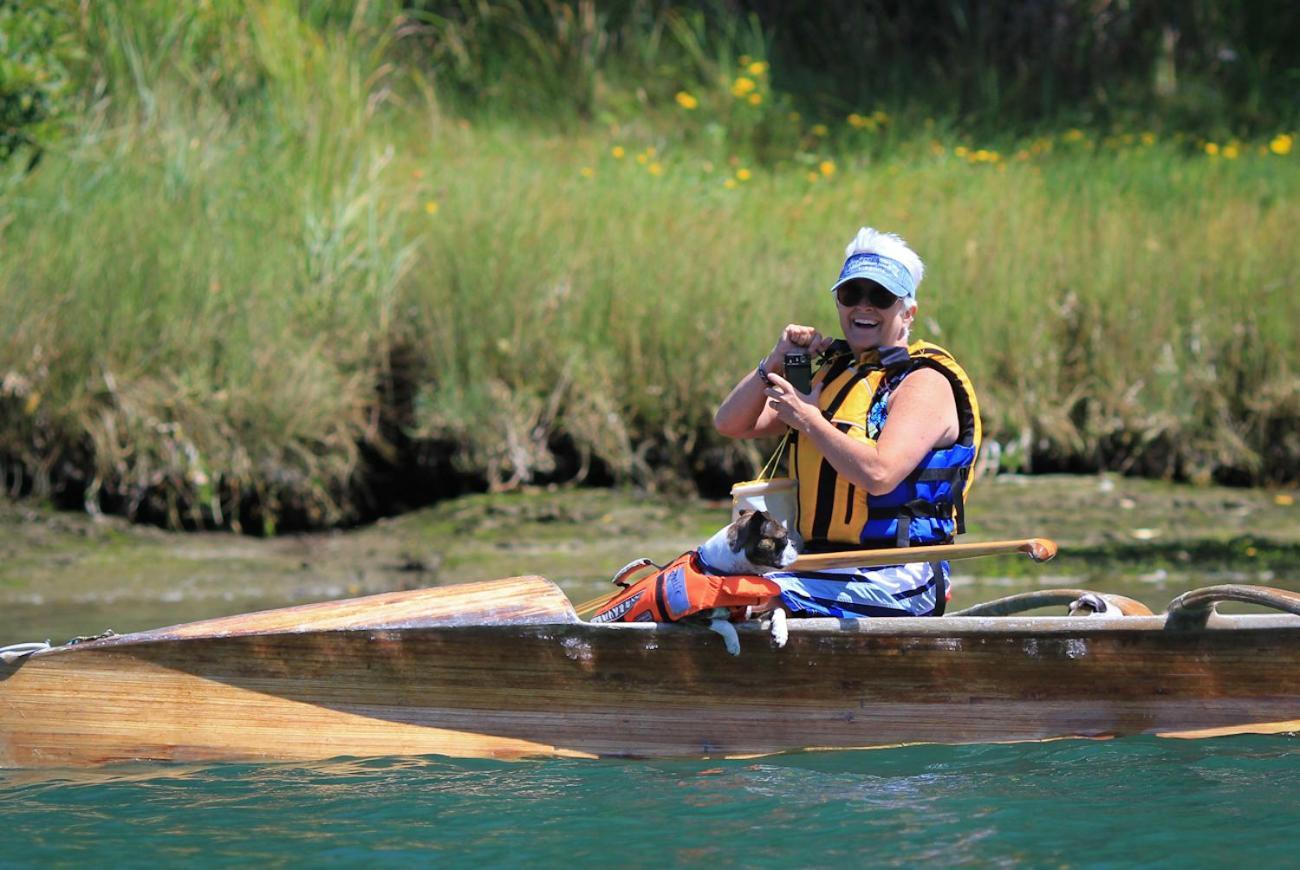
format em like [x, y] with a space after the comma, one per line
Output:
[762, 541]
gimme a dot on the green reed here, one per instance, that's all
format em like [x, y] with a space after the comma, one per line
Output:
[215, 297]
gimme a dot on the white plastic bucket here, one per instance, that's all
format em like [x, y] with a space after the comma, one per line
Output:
[778, 496]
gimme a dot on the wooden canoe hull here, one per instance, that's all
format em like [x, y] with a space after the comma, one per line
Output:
[540, 682]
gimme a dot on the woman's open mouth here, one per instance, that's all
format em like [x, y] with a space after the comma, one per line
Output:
[864, 323]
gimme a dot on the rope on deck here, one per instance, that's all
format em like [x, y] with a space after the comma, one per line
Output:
[14, 652]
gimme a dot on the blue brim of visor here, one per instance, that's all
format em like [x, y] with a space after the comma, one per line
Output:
[890, 274]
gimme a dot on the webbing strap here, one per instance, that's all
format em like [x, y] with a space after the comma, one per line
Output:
[940, 589]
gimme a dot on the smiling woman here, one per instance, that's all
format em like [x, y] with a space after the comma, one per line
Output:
[882, 447]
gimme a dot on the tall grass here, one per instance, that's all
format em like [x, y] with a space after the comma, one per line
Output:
[228, 301]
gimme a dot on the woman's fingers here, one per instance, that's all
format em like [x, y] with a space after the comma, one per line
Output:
[800, 336]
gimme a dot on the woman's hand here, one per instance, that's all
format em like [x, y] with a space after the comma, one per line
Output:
[795, 409]
[793, 338]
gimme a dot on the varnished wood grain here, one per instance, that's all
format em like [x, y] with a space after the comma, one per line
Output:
[512, 601]
[387, 684]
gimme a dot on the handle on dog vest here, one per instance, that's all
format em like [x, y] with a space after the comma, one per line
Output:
[621, 575]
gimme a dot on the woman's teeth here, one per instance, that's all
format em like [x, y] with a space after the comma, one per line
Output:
[865, 324]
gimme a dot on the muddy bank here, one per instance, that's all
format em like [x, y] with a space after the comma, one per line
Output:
[64, 573]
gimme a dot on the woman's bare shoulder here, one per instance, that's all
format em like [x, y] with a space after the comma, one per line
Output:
[924, 384]
[926, 401]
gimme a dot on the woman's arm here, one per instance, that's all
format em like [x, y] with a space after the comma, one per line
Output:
[745, 413]
[922, 417]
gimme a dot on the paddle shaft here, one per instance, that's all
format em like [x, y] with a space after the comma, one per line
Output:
[1038, 549]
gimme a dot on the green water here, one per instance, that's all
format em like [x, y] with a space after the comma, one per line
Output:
[1140, 801]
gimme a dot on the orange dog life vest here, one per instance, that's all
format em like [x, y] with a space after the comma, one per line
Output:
[682, 587]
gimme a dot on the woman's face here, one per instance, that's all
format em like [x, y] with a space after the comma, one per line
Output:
[876, 317]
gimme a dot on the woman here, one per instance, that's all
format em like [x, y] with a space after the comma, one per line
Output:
[882, 447]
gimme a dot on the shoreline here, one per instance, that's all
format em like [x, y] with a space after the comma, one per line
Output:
[1146, 539]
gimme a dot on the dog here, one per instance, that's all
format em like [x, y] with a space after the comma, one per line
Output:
[716, 583]
[754, 543]
[1107, 604]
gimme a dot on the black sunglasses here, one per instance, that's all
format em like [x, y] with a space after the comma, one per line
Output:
[851, 294]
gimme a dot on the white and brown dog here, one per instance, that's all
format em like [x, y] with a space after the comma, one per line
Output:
[754, 543]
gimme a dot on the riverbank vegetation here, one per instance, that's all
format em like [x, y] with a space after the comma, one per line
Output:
[287, 265]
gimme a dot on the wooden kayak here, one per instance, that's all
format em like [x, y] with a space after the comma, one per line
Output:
[506, 669]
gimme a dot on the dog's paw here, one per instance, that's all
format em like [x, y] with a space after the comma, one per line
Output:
[780, 634]
[723, 626]
[1091, 604]
[1107, 604]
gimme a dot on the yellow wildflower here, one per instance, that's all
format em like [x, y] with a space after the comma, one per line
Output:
[814, 177]
[820, 130]
[617, 152]
[1281, 144]
[743, 174]
[826, 167]
[1212, 149]
[1252, 552]
[1148, 138]
[744, 60]
[729, 184]
[32, 403]
[1074, 134]
[1231, 151]
[960, 151]
[431, 207]
[856, 120]
[743, 87]
[795, 117]
[587, 172]
[686, 101]
[758, 68]
[643, 159]
[880, 117]
[655, 169]
[1284, 499]
[937, 149]
[651, 151]
[755, 99]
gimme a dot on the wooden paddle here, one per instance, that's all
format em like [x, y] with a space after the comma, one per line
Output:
[1038, 549]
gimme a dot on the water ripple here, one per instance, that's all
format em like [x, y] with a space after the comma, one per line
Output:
[1072, 802]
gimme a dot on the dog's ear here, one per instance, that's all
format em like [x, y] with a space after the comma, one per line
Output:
[743, 531]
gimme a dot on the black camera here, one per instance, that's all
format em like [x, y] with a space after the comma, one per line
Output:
[798, 371]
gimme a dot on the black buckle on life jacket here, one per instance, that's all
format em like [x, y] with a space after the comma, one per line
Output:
[917, 508]
[893, 359]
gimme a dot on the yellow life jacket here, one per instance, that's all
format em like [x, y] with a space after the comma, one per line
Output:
[928, 506]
